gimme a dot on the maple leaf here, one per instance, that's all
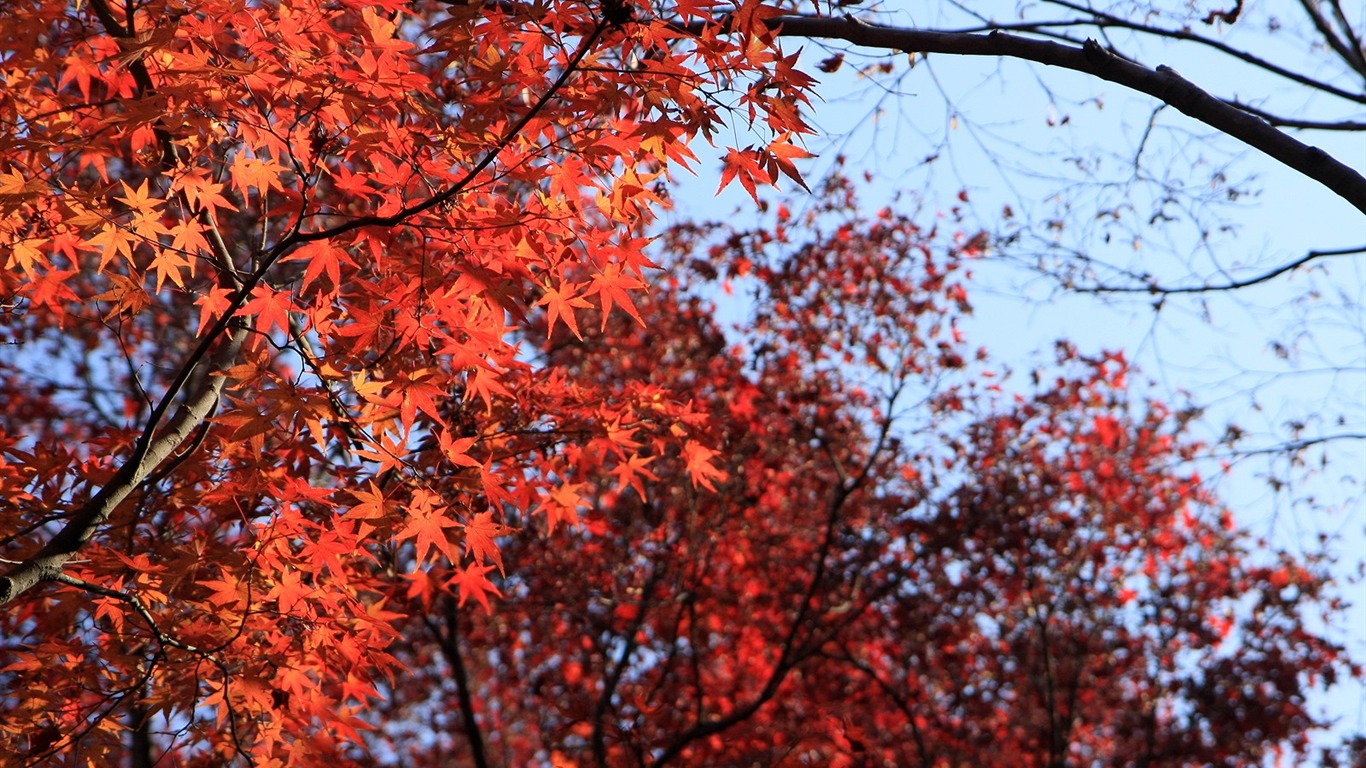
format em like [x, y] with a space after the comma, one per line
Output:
[212, 304]
[480, 531]
[201, 192]
[781, 152]
[423, 586]
[290, 591]
[371, 504]
[271, 307]
[699, 465]
[14, 185]
[224, 592]
[140, 200]
[457, 450]
[472, 581]
[127, 296]
[113, 241]
[427, 522]
[633, 471]
[614, 289]
[188, 238]
[52, 289]
[417, 392]
[743, 165]
[170, 262]
[28, 256]
[562, 505]
[560, 303]
[401, 208]
[388, 452]
[248, 172]
[322, 259]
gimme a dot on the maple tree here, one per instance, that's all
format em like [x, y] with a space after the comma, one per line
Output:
[901, 565]
[321, 318]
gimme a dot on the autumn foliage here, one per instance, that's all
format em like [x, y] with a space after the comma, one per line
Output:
[348, 416]
[902, 564]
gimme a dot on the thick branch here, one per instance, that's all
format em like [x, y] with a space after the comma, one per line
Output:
[1162, 83]
[449, 643]
[127, 40]
[1103, 20]
[155, 445]
[87, 518]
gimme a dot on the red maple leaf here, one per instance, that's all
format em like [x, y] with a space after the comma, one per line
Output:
[472, 581]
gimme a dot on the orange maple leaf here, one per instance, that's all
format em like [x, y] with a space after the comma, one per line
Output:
[139, 199]
[699, 465]
[170, 262]
[559, 303]
[479, 534]
[254, 172]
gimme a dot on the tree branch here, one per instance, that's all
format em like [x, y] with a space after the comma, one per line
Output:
[1294, 122]
[449, 643]
[902, 702]
[48, 563]
[1231, 284]
[792, 653]
[152, 448]
[1102, 20]
[617, 669]
[1091, 58]
[1330, 35]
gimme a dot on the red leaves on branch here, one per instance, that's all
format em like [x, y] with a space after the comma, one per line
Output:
[898, 565]
[330, 310]
[276, 265]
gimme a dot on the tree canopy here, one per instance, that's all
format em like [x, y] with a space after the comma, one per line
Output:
[356, 407]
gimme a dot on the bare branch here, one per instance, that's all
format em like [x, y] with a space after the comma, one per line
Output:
[1330, 35]
[1104, 20]
[1232, 284]
[1294, 122]
[449, 643]
[1091, 58]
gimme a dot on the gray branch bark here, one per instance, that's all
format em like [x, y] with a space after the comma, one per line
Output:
[86, 519]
